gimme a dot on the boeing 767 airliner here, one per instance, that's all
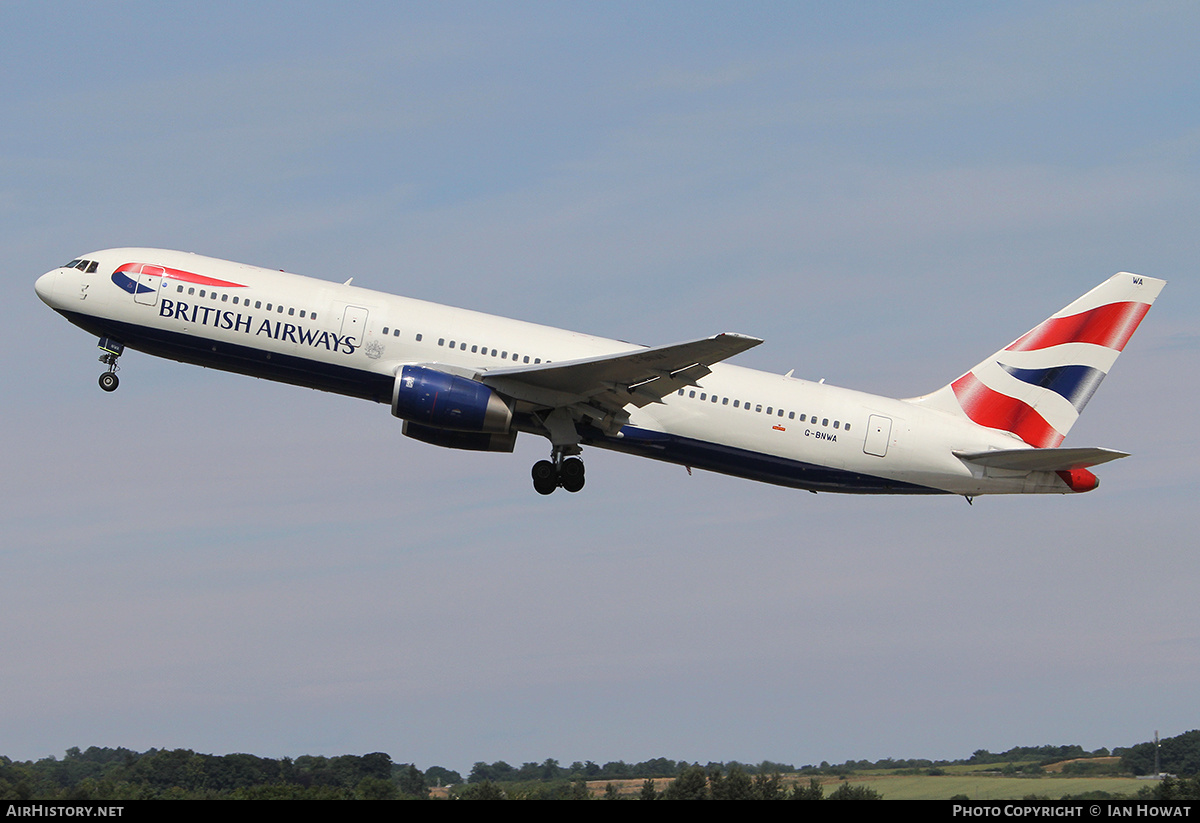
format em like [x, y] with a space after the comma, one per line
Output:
[467, 380]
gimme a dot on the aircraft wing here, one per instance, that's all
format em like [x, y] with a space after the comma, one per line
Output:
[1046, 460]
[613, 381]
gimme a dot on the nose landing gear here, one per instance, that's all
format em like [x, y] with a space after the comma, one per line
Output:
[565, 472]
[112, 350]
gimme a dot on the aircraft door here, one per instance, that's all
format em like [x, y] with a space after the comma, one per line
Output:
[879, 432]
[148, 281]
[354, 323]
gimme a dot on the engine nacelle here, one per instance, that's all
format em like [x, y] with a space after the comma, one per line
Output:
[431, 398]
[471, 441]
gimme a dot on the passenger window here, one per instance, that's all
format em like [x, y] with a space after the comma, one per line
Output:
[292, 312]
[257, 303]
[418, 336]
[825, 422]
[224, 298]
[385, 330]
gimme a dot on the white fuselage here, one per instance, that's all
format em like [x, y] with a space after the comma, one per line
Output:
[353, 341]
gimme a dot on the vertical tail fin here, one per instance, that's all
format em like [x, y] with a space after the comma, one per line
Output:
[1036, 387]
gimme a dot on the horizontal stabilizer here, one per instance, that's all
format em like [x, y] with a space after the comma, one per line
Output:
[1043, 460]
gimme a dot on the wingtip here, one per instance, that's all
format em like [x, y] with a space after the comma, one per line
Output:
[748, 339]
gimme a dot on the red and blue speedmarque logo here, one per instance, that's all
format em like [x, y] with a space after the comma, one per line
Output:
[126, 277]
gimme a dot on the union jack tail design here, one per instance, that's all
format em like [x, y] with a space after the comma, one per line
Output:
[1036, 386]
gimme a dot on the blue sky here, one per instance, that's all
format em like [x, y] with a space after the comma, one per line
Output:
[884, 194]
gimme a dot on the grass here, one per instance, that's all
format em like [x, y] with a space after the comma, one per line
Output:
[981, 786]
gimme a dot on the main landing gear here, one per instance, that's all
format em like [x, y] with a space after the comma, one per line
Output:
[563, 468]
[548, 475]
[112, 350]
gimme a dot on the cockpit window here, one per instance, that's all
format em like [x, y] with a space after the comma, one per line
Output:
[85, 266]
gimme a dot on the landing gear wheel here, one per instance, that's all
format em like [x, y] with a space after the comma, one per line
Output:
[570, 474]
[112, 350]
[545, 477]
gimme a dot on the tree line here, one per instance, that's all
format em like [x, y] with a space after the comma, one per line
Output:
[162, 774]
[123, 774]
[550, 769]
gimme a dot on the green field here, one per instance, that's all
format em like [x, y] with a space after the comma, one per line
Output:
[991, 787]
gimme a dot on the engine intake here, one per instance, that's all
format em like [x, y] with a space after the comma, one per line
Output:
[445, 401]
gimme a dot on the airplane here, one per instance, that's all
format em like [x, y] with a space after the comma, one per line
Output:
[467, 380]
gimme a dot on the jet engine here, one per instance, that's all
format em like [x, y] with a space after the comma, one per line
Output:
[434, 399]
[470, 441]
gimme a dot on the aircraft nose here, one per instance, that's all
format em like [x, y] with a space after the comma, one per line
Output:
[45, 287]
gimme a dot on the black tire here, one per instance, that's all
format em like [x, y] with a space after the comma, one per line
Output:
[571, 474]
[109, 381]
[545, 477]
